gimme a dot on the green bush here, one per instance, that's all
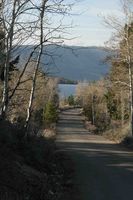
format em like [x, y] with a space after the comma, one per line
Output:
[71, 100]
[50, 113]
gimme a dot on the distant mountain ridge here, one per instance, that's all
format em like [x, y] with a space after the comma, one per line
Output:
[73, 63]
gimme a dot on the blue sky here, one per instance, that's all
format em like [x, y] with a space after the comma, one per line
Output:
[89, 28]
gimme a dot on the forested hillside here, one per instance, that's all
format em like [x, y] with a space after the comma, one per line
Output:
[71, 62]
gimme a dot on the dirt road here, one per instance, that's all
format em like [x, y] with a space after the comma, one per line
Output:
[103, 170]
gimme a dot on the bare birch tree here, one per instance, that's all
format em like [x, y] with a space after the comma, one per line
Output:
[123, 43]
[43, 7]
[15, 27]
[39, 23]
[53, 35]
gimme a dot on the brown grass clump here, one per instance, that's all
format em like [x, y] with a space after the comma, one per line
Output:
[117, 134]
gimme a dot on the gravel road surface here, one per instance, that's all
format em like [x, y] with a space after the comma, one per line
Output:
[103, 170]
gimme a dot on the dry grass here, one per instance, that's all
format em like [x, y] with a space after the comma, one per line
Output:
[90, 127]
[117, 134]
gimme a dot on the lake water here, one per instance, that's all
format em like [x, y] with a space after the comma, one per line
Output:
[66, 90]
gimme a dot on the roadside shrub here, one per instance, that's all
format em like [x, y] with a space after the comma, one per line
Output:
[50, 114]
[119, 134]
[32, 148]
[38, 117]
[71, 100]
[29, 167]
[102, 122]
[36, 151]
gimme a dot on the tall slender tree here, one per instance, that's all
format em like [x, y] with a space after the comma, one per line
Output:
[42, 10]
[124, 46]
[24, 24]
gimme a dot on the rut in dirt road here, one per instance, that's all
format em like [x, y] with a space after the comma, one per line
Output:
[103, 170]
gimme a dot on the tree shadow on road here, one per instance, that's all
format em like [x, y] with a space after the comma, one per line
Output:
[102, 170]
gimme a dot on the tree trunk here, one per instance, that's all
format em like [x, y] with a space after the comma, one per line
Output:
[122, 108]
[131, 99]
[29, 110]
[8, 44]
[93, 109]
[129, 62]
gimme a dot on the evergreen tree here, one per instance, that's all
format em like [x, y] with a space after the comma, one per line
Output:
[50, 113]
[70, 100]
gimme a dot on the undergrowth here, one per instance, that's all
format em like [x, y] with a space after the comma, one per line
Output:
[117, 134]
[30, 167]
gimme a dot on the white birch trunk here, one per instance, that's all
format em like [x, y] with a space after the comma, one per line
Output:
[93, 110]
[131, 99]
[8, 41]
[130, 73]
[122, 108]
[29, 110]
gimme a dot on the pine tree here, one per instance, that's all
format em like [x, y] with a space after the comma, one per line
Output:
[50, 113]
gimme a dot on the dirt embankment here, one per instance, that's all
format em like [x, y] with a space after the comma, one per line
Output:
[30, 168]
